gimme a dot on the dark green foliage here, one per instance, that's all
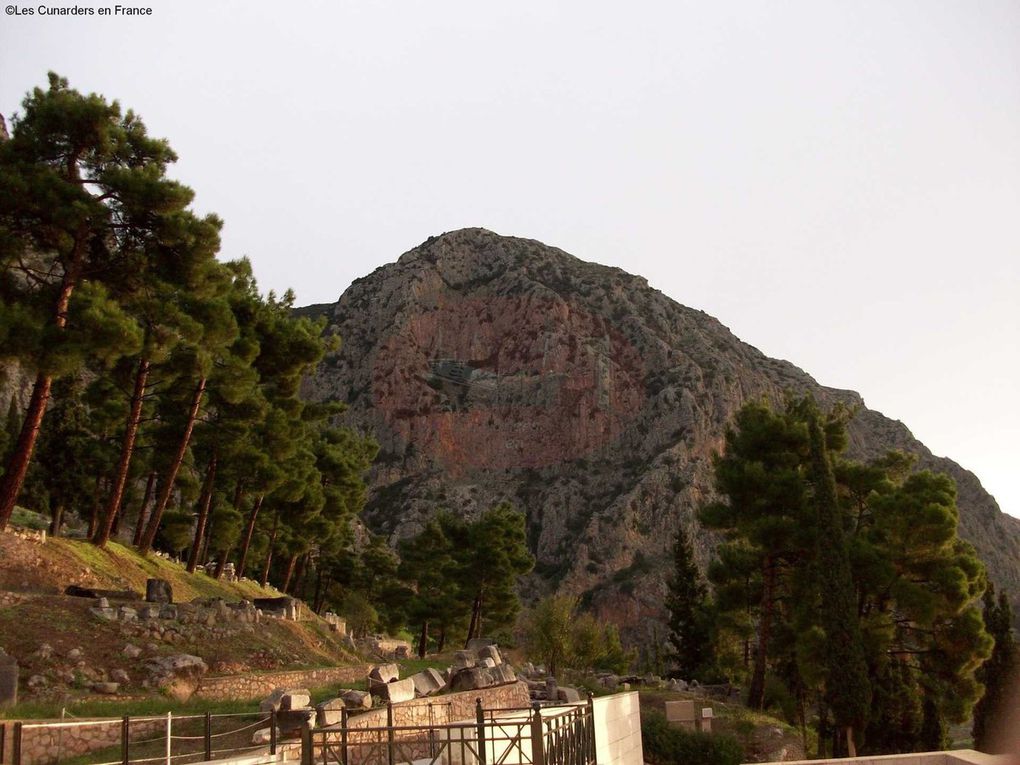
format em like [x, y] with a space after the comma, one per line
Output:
[690, 618]
[847, 688]
[667, 745]
[990, 713]
[839, 577]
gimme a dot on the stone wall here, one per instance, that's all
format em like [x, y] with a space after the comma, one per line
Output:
[261, 684]
[44, 742]
[368, 746]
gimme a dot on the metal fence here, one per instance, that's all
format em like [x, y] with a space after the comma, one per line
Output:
[170, 739]
[560, 735]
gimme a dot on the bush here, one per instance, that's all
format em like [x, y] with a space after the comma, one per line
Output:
[666, 745]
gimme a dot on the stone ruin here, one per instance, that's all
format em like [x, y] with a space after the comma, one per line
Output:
[480, 665]
[158, 604]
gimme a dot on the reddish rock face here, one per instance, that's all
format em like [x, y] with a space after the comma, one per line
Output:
[496, 369]
[506, 382]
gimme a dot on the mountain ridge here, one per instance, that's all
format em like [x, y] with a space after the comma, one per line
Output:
[497, 368]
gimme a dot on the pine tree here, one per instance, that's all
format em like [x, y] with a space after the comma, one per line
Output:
[84, 193]
[995, 674]
[686, 600]
[847, 687]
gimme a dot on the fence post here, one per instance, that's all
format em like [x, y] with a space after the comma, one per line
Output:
[169, 733]
[272, 732]
[125, 732]
[389, 732]
[480, 720]
[16, 752]
[537, 736]
[343, 736]
[591, 727]
[3, 740]
[208, 737]
[307, 755]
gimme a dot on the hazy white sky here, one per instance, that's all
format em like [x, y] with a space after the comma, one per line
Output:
[838, 182]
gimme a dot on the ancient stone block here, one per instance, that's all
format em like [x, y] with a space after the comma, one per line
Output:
[381, 674]
[464, 659]
[295, 699]
[355, 699]
[428, 682]
[396, 691]
[470, 679]
[107, 688]
[476, 644]
[329, 712]
[158, 591]
[487, 663]
[567, 694]
[490, 652]
[291, 721]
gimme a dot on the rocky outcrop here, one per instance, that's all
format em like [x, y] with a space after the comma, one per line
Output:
[492, 368]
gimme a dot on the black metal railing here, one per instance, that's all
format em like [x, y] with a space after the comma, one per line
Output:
[557, 735]
[171, 739]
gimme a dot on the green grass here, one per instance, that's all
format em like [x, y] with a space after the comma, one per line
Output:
[122, 566]
[29, 519]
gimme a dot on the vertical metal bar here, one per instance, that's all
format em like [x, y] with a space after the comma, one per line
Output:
[17, 743]
[343, 736]
[3, 740]
[208, 737]
[480, 721]
[591, 728]
[537, 737]
[389, 732]
[125, 732]
[272, 732]
[169, 732]
[306, 746]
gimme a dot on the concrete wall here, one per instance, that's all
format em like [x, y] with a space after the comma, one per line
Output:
[954, 757]
[618, 730]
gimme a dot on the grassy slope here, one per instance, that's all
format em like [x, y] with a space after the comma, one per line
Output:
[122, 567]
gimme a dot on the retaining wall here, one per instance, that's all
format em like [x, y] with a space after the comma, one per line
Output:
[259, 685]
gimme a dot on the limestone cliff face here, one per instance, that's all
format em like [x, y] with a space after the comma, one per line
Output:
[494, 368]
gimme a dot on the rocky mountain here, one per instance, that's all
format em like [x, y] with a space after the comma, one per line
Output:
[494, 368]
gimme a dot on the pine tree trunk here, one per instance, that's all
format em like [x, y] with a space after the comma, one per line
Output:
[290, 573]
[127, 450]
[94, 517]
[269, 555]
[17, 466]
[221, 564]
[441, 642]
[475, 626]
[56, 519]
[140, 523]
[171, 473]
[205, 500]
[317, 602]
[851, 746]
[756, 691]
[423, 638]
[249, 532]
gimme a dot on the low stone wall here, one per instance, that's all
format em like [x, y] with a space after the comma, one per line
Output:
[44, 742]
[446, 708]
[259, 685]
[368, 746]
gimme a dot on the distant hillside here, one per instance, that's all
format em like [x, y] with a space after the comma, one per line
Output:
[494, 368]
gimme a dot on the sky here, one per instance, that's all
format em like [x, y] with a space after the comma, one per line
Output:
[837, 182]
